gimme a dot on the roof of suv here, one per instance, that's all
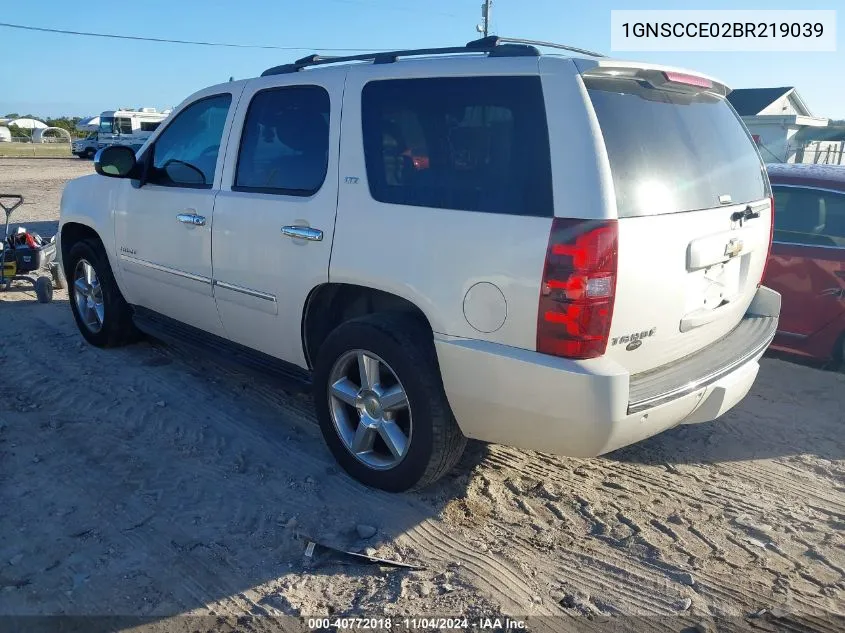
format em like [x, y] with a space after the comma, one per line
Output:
[493, 46]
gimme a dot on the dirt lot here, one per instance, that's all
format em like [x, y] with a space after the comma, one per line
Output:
[144, 481]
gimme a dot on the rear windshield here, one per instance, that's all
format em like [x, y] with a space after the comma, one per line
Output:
[674, 151]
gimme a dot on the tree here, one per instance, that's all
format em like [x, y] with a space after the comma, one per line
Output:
[20, 132]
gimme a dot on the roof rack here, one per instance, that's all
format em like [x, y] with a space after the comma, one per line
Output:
[493, 45]
[514, 40]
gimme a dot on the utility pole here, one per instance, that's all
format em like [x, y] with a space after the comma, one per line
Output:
[484, 27]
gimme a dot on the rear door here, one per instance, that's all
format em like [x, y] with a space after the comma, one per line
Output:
[694, 213]
[275, 214]
[807, 264]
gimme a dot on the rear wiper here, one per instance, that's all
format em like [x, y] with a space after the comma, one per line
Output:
[746, 214]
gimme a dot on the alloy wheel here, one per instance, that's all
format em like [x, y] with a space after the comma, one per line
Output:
[369, 409]
[88, 295]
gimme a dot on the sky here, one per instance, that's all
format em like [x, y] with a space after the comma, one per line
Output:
[55, 75]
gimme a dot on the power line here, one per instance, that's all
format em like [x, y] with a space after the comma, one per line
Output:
[195, 43]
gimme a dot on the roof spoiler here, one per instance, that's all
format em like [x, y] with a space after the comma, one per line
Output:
[658, 76]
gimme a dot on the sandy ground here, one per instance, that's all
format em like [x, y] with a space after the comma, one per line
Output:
[144, 481]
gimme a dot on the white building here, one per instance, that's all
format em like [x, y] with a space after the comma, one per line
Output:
[784, 128]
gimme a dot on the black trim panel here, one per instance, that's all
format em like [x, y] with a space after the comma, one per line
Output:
[299, 193]
[224, 351]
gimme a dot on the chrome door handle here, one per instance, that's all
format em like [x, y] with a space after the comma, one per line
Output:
[303, 233]
[191, 218]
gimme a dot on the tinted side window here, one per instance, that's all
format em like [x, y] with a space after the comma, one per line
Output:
[285, 142]
[467, 143]
[185, 153]
[812, 217]
[124, 125]
[149, 126]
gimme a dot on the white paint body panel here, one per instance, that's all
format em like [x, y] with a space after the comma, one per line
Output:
[90, 201]
[661, 283]
[432, 257]
[250, 251]
[577, 408]
[167, 265]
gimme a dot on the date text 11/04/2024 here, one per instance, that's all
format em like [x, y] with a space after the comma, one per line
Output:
[414, 624]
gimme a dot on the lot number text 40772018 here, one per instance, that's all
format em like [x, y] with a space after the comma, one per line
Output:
[416, 624]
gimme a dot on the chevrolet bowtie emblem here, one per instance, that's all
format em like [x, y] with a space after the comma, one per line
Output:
[733, 248]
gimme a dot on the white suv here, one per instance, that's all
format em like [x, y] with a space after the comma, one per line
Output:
[557, 252]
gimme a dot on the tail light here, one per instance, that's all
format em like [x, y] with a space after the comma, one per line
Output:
[771, 238]
[578, 288]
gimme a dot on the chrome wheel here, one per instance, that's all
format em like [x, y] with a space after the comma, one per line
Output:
[88, 295]
[369, 409]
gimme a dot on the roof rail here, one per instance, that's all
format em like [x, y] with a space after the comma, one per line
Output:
[498, 41]
[493, 45]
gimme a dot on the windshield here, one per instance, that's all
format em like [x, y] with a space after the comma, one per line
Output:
[107, 124]
[91, 136]
[674, 151]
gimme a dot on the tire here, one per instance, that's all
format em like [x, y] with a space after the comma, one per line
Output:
[44, 289]
[89, 153]
[116, 327]
[404, 346]
[58, 275]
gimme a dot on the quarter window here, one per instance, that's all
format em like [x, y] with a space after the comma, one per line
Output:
[124, 125]
[465, 143]
[812, 217]
[285, 142]
[185, 153]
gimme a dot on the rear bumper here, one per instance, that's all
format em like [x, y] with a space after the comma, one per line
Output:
[586, 408]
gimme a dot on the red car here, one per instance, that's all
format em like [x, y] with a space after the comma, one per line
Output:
[807, 262]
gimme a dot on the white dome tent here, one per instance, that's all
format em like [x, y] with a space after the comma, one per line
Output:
[89, 124]
[5, 135]
[28, 124]
[40, 135]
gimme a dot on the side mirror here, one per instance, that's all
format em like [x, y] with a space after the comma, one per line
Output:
[115, 161]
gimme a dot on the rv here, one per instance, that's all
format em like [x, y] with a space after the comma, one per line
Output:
[128, 127]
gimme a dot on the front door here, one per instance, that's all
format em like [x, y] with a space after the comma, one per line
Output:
[274, 216]
[163, 226]
[807, 264]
